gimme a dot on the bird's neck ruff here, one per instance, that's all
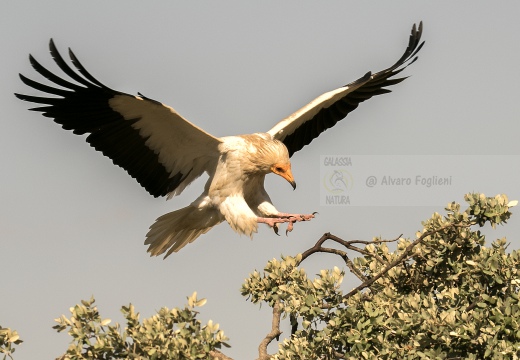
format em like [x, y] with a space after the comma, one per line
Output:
[262, 152]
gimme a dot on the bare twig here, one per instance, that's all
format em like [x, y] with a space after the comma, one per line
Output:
[294, 323]
[318, 248]
[215, 354]
[367, 242]
[349, 245]
[274, 333]
[353, 269]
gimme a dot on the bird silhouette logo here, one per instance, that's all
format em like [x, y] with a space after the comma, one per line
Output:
[338, 181]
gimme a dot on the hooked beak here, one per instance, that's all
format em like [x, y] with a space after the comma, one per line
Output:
[285, 172]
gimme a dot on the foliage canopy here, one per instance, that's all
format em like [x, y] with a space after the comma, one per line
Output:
[442, 295]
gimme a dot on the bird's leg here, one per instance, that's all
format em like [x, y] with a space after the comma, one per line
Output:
[285, 218]
[302, 217]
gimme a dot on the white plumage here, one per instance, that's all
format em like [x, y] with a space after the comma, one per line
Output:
[164, 152]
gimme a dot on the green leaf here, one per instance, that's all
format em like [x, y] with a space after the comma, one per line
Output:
[200, 302]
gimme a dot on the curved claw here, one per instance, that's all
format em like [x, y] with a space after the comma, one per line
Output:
[275, 228]
[290, 227]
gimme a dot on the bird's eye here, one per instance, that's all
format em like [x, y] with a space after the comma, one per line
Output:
[279, 169]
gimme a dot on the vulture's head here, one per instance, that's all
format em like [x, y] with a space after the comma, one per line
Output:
[272, 156]
[284, 170]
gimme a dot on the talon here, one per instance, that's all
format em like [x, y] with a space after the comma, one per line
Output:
[289, 228]
[311, 216]
[275, 228]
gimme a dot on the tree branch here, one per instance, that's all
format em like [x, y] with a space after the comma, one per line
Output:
[406, 253]
[215, 354]
[275, 332]
[348, 244]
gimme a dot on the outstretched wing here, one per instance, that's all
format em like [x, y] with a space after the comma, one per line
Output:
[306, 124]
[159, 148]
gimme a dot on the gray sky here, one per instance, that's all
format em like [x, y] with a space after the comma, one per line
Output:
[72, 224]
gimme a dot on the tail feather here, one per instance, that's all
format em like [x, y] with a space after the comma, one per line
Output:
[176, 229]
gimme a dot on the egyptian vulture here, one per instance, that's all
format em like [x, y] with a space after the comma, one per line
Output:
[164, 152]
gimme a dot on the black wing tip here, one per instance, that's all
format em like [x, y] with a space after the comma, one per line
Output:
[32, 60]
[52, 45]
[414, 44]
[79, 74]
[420, 29]
[361, 80]
[72, 56]
[24, 97]
[22, 77]
[417, 31]
[367, 76]
[410, 54]
[149, 99]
